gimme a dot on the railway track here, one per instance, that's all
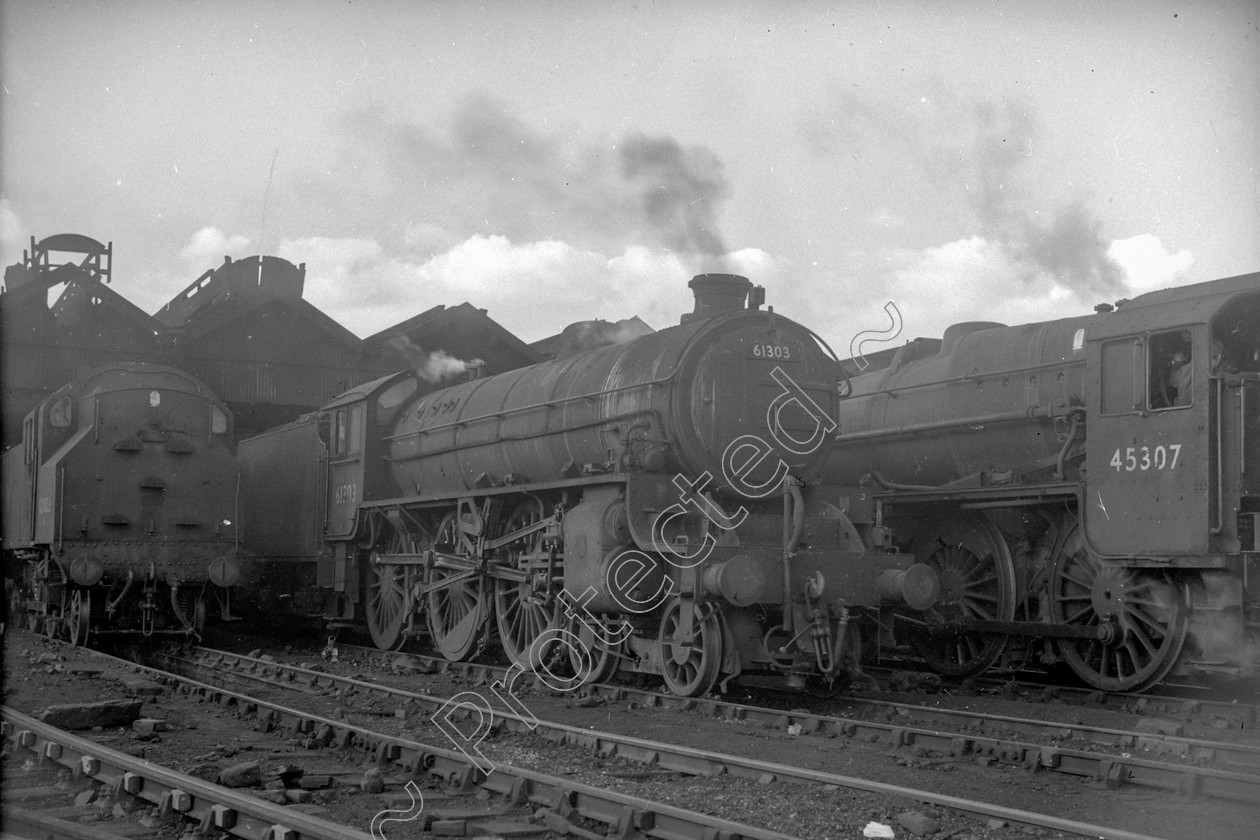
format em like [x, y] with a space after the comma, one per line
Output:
[1049, 752]
[1112, 772]
[1180, 702]
[207, 805]
[554, 805]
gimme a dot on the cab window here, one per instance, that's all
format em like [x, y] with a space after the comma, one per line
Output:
[347, 431]
[1170, 375]
[354, 444]
[1121, 385]
[339, 432]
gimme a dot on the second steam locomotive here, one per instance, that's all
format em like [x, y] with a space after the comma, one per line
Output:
[1087, 489]
[120, 507]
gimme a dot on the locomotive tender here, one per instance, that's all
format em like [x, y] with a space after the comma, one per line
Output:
[1087, 489]
[647, 506]
[120, 507]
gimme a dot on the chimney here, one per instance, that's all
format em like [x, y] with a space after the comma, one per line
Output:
[716, 294]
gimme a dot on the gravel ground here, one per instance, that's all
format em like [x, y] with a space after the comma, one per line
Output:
[207, 739]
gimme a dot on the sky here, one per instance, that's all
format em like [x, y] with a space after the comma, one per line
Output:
[552, 162]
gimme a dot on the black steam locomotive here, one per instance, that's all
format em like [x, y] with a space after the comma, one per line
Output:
[647, 506]
[1087, 490]
[120, 507]
[717, 499]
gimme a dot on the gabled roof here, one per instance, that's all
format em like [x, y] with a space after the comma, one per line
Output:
[463, 331]
[86, 296]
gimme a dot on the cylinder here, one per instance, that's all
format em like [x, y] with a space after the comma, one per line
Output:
[918, 586]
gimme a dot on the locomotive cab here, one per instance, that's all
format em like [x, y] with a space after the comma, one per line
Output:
[1173, 429]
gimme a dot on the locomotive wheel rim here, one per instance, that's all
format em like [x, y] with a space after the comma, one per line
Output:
[977, 582]
[456, 613]
[690, 670]
[1147, 610]
[523, 610]
[592, 661]
[78, 617]
[386, 604]
[388, 600]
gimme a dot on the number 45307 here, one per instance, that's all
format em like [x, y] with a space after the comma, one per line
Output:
[1146, 458]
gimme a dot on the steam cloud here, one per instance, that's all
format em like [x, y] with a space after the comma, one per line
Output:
[436, 367]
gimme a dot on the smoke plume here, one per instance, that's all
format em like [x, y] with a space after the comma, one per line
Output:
[982, 155]
[483, 169]
[679, 190]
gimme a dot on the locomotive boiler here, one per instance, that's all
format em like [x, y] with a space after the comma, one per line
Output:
[1086, 489]
[120, 507]
[647, 506]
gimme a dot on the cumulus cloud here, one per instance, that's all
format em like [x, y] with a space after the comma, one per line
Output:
[1147, 264]
[533, 288]
[967, 280]
[209, 245]
[977, 278]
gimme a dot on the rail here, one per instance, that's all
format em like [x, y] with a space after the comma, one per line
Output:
[214, 806]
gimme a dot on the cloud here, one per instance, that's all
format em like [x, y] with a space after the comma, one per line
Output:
[534, 289]
[1147, 264]
[925, 158]
[984, 279]
[482, 169]
[209, 245]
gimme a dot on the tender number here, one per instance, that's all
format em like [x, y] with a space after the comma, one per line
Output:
[1141, 458]
[772, 351]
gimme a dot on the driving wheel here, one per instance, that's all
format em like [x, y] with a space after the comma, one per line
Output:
[525, 608]
[1142, 616]
[388, 601]
[457, 607]
[977, 578]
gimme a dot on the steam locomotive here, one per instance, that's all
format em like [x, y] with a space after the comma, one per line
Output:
[719, 498]
[120, 507]
[650, 506]
[1087, 490]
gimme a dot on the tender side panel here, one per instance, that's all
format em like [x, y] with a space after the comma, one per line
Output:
[281, 492]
